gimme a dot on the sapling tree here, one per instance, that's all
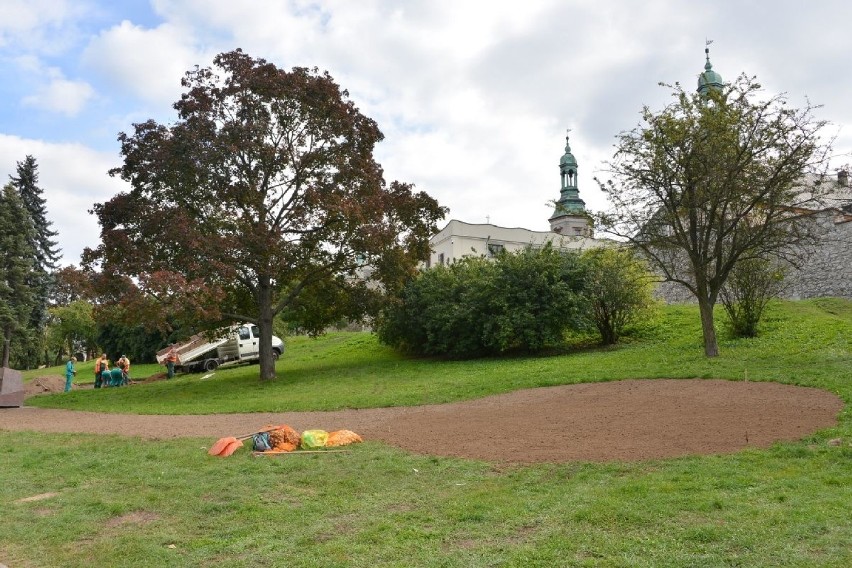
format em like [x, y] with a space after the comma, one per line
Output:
[713, 180]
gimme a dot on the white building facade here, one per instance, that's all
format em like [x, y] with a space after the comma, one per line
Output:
[458, 239]
[570, 227]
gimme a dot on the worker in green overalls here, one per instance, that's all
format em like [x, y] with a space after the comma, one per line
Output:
[70, 371]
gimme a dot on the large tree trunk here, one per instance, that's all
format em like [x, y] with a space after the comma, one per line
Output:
[708, 329]
[264, 322]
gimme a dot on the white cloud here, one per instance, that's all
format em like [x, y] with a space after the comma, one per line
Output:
[73, 178]
[147, 63]
[53, 92]
[44, 26]
[60, 94]
[474, 96]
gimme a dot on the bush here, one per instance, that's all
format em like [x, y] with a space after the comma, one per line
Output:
[749, 287]
[440, 311]
[617, 290]
[535, 299]
[522, 301]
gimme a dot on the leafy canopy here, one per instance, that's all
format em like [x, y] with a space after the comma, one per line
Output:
[264, 190]
[714, 180]
[618, 289]
[521, 301]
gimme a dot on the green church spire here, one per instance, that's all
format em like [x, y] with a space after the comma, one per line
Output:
[709, 79]
[569, 202]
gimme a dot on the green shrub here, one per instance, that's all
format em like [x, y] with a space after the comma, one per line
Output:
[440, 312]
[535, 299]
[750, 286]
[521, 301]
[617, 289]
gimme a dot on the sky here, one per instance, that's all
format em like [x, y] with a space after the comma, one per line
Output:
[473, 96]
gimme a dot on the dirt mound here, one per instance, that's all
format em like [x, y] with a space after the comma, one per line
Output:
[152, 378]
[43, 385]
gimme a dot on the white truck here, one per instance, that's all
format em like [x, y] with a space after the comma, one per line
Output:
[237, 344]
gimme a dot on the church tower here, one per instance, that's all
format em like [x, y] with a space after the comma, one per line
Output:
[709, 79]
[569, 216]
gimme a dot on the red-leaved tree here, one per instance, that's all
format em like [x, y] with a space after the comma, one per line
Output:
[262, 198]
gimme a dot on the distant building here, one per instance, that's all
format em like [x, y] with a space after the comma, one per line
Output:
[569, 216]
[827, 268]
[458, 239]
[709, 80]
[570, 227]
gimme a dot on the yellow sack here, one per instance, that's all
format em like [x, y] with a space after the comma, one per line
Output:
[312, 439]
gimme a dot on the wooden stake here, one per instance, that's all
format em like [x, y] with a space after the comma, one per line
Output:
[294, 452]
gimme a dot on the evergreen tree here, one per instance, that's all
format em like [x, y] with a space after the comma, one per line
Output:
[16, 270]
[44, 249]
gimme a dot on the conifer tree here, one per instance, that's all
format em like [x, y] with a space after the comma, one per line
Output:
[44, 248]
[16, 270]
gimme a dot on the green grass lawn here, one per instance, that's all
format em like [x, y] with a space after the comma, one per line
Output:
[115, 501]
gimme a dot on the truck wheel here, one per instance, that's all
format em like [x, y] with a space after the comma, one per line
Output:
[210, 365]
[275, 354]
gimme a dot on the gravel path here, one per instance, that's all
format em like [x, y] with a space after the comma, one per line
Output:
[620, 420]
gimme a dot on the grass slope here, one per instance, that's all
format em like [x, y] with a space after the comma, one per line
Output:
[806, 343]
[81, 500]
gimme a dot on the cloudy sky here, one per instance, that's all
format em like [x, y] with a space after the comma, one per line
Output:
[473, 96]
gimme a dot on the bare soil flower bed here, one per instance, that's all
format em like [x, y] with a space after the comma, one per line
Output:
[620, 420]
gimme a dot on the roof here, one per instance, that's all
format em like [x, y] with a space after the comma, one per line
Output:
[484, 231]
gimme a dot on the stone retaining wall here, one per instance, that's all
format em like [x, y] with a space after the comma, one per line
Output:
[827, 270]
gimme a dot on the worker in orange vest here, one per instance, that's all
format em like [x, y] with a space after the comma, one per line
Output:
[101, 367]
[171, 359]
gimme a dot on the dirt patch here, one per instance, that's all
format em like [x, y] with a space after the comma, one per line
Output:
[43, 385]
[55, 383]
[620, 420]
[134, 518]
[152, 378]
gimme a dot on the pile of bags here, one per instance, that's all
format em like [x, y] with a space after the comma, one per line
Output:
[276, 439]
[283, 438]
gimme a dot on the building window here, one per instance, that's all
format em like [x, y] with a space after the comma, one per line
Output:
[441, 259]
[494, 249]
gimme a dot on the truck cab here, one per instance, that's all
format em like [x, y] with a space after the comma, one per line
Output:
[247, 344]
[234, 345]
